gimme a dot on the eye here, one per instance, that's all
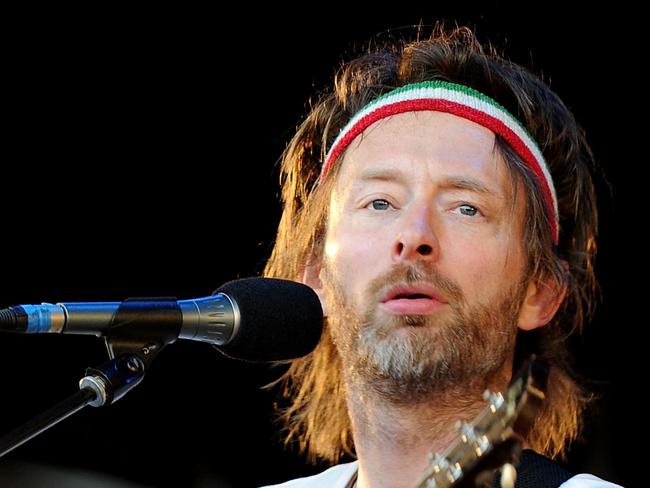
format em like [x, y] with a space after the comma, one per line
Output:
[468, 210]
[379, 204]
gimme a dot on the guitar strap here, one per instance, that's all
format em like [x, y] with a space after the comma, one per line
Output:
[537, 471]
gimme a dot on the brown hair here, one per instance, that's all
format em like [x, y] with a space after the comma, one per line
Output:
[317, 416]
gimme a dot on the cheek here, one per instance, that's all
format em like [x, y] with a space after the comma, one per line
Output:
[353, 257]
[483, 271]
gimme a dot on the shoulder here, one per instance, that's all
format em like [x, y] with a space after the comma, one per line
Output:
[335, 477]
[536, 470]
[587, 481]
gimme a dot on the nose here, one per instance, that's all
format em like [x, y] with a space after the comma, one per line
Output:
[416, 239]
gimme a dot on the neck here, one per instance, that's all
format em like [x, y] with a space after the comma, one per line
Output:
[393, 441]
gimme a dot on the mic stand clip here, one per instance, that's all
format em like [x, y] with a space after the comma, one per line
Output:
[133, 340]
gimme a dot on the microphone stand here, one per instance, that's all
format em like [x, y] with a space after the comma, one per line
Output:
[100, 386]
[133, 340]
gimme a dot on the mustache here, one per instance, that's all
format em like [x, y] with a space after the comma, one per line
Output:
[410, 274]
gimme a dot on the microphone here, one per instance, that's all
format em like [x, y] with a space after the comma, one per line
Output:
[255, 319]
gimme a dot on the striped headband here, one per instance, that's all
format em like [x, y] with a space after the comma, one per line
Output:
[462, 101]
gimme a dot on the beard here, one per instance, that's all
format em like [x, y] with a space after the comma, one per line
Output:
[411, 358]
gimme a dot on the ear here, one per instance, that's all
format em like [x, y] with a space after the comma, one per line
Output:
[311, 278]
[543, 298]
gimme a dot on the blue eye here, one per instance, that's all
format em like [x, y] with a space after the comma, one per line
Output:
[380, 204]
[468, 210]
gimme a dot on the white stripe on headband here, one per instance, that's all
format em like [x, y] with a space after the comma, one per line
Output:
[461, 101]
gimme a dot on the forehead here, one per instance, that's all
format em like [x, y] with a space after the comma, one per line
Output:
[438, 140]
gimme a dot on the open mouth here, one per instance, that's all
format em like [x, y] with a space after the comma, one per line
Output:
[412, 300]
[411, 296]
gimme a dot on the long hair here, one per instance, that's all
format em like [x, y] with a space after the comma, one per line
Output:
[316, 416]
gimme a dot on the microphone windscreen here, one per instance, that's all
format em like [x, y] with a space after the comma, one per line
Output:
[280, 319]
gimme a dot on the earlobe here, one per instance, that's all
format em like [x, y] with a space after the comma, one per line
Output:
[311, 278]
[543, 298]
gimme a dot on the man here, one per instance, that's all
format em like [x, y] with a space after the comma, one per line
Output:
[439, 201]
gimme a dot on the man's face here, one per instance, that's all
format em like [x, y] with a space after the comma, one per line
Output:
[424, 267]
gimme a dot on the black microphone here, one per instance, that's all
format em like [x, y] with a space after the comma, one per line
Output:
[256, 319]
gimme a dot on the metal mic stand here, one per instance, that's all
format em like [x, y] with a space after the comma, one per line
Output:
[133, 340]
[101, 386]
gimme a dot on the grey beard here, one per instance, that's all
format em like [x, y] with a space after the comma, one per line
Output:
[408, 359]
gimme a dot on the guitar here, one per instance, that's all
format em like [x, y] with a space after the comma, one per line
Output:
[494, 439]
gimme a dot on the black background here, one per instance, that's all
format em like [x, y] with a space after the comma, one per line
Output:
[140, 159]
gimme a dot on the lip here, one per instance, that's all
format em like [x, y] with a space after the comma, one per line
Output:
[396, 301]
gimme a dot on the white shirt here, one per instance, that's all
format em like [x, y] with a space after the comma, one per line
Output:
[340, 475]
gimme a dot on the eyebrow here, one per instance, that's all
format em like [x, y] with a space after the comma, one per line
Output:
[471, 184]
[450, 183]
[381, 174]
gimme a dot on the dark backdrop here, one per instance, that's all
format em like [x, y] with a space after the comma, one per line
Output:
[140, 159]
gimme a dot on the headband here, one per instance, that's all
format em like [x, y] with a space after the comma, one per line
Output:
[462, 101]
